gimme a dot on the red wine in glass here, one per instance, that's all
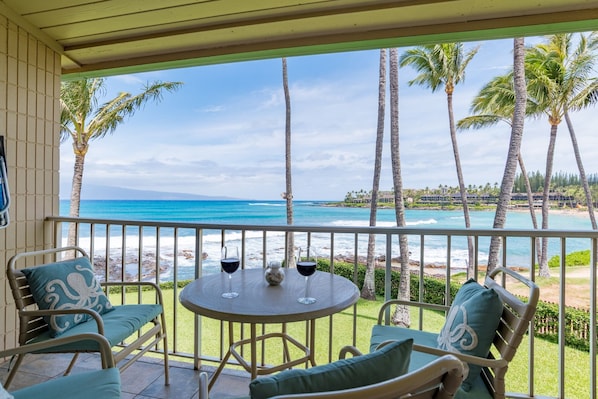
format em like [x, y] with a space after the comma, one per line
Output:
[230, 265]
[306, 266]
[230, 261]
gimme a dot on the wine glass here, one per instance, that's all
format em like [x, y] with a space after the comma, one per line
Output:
[307, 260]
[230, 261]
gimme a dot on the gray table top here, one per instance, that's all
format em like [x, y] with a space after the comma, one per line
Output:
[259, 302]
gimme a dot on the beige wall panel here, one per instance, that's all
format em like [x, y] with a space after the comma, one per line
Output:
[41, 81]
[29, 120]
[3, 66]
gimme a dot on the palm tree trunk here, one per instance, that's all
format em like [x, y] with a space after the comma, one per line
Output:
[508, 179]
[582, 173]
[401, 314]
[290, 258]
[75, 204]
[462, 191]
[530, 204]
[368, 290]
[544, 272]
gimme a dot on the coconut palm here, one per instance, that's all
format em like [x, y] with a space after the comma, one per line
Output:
[514, 154]
[82, 120]
[401, 314]
[443, 66]
[368, 291]
[288, 194]
[498, 101]
[559, 80]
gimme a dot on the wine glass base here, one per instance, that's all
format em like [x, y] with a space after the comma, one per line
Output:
[306, 300]
[230, 295]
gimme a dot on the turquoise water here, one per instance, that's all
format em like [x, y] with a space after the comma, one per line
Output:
[316, 213]
[305, 213]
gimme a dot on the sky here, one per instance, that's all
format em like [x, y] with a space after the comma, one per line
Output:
[222, 132]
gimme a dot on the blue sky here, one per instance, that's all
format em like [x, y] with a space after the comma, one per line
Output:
[222, 133]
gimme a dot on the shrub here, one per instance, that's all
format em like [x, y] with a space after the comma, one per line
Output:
[578, 258]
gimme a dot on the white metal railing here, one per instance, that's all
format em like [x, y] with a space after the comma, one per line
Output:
[175, 252]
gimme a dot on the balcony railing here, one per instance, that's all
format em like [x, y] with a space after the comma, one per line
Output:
[177, 252]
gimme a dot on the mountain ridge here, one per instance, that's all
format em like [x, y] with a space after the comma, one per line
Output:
[100, 192]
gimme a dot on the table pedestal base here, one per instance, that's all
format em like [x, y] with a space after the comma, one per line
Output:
[252, 366]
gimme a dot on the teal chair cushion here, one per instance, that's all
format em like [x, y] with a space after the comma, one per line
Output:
[104, 384]
[471, 324]
[66, 284]
[389, 362]
[380, 333]
[119, 324]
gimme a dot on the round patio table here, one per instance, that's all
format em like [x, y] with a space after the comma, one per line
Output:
[260, 303]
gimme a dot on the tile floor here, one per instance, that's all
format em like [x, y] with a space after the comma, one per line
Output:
[144, 379]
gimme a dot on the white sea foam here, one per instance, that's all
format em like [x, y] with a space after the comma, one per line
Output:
[422, 222]
[254, 245]
[361, 223]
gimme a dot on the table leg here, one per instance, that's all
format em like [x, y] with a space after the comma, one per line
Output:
[312, 342]
[286, 354]
[253, 346]
[219, 370]
[225, 358]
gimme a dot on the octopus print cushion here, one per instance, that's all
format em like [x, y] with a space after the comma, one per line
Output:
[69, 284]
[471, 324]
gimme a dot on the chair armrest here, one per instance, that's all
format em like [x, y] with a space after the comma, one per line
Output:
[105, 350]
[349, 349]
[53, 312]
[480, 361]
[203, 385]
[422, 305]
[138, 284]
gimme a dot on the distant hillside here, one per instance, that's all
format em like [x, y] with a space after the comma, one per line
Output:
[96, 192]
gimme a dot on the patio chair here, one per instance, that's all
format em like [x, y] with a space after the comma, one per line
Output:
[102, 383]
[497, 319]
[63, 298]
[378, 375]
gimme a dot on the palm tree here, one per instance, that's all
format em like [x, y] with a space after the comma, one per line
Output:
[514, 153]
[288, 194]
[496, 102]
[82, 119]
[443, 65]
[368, 291]
[401, 314]
[559, 80]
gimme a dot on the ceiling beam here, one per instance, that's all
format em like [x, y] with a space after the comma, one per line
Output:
[486, 29]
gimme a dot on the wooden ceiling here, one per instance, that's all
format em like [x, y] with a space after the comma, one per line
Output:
[101, 37]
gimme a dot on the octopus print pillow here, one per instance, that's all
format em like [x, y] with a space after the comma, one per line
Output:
[69, 284]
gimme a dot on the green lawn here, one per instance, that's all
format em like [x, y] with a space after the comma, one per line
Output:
[577, 363]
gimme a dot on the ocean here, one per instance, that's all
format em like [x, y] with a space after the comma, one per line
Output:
[317, 213]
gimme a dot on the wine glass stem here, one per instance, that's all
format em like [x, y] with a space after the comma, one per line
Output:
[230, 283]
[306, 286]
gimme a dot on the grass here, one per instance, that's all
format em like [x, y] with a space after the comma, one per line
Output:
[577, 363]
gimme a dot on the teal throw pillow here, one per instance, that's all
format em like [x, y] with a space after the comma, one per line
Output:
[471, 324]
[389, 362]
[68, 284]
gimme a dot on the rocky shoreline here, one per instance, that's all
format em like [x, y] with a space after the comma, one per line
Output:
[144, 270]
